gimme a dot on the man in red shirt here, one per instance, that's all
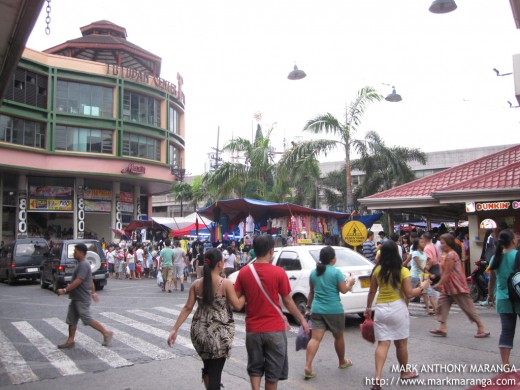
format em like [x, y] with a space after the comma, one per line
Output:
[266, 341]
[433, 259]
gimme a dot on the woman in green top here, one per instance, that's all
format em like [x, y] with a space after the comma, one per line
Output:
[326, 282]
[502, 264]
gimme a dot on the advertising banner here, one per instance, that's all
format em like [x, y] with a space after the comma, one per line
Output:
[126, 197]
[95, 194]
[50, 192]
[98, 206]
[50, 204]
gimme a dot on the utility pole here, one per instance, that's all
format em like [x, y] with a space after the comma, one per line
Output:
[215, 159]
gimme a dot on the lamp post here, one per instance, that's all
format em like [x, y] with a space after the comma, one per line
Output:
[394, 97]
[443, 6]
[296, 74]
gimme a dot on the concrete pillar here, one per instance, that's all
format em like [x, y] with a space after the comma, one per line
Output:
[428, 223]
[79, 209]
[137, 202]
[1, 204]
[149, 211]
[21, 208]
[116, 217]
[475, 245]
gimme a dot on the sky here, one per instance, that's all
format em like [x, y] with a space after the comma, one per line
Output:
[235, 55]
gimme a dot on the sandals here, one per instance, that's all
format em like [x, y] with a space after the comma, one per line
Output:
[482, 335]
[438, 333]
[309, 375]
[414, 374]
[348, 363]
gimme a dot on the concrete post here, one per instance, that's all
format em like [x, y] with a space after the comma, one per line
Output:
[79, 209]
[115, 214]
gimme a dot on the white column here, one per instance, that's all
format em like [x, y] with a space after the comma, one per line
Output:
[137, 202]
[116, 219]
[79, 209]
[475, 246]
[21, 208]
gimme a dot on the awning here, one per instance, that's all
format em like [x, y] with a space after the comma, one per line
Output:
[237, 209]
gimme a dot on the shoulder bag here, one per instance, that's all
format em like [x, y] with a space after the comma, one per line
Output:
[255, 275]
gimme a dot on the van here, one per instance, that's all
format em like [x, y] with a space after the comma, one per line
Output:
[22, 258]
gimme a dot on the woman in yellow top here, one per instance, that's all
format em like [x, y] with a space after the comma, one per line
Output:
[392, 321]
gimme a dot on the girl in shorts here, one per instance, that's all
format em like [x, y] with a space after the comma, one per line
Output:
[130, 262]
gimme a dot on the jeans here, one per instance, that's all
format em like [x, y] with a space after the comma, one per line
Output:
[507, 336]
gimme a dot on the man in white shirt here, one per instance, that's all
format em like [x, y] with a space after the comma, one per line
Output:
[139, 254]
[179, 263]
[110, 260]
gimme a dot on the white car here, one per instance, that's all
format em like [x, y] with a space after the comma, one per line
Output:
[299, 261]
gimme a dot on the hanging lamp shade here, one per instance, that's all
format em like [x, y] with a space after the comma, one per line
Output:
[394, 97]
[443, 6]
[296, 74]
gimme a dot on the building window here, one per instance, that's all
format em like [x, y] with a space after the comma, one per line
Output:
[28, 88]
[85, 99]
[22, 132]
[174, 121]
[79, 139]
[136, 145]
[142, 109]
[175, 156]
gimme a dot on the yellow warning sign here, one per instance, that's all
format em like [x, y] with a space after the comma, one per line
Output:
[354, 233]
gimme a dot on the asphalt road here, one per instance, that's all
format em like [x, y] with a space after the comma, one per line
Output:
[32, 323]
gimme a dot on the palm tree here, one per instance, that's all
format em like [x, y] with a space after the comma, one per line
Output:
[344, 132]
[183, 193]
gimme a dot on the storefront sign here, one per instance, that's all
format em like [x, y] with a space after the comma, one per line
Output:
[98, 206]
[50, 204]
[94, 194]
[127, 207]
[126, 197]
[474, 207]
[119, 216]
[50, 192]
[81, 215]
[145, 78]
[134, 169]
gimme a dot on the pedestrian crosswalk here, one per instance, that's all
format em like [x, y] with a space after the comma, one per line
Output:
[419, 309]
[28, 351]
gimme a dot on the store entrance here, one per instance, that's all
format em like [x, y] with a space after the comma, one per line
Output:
[50, 225]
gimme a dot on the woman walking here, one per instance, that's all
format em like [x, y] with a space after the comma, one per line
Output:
[502, 265]
[130, 260]
[453, 288]
[326, 282]
[212, 327]
[392, 321]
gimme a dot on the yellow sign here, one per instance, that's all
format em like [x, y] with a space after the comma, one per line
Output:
[354, 233]
[304, 241]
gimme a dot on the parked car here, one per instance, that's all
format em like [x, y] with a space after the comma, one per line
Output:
[57, 267]
[21, 259]
[299, 261]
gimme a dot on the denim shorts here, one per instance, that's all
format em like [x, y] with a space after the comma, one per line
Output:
[267, 354]
[507, 335]
[79, 310]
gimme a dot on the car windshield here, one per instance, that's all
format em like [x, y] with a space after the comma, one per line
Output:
[344, 258]
[91, 246]
[31, 249]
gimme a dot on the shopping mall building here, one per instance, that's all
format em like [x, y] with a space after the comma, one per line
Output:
[89, 131]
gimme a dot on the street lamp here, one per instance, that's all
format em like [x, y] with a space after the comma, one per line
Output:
[394, 96]
[178, 172]
[296, 74]
[443, 6]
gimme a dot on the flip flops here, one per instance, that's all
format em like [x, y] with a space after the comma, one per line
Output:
[482, 335]
[414, 375]
[438, 333]
[348, 363]
[309, 375]
[66, 345]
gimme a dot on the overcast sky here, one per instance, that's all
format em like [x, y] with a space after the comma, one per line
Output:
[235, 55]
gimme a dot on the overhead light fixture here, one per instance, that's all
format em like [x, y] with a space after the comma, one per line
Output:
[443, 6]
[501, 74]
[296, 74]
[394, 97]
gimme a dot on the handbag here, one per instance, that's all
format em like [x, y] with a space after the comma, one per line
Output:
[302, 338]
[367, 330]
[255, 275]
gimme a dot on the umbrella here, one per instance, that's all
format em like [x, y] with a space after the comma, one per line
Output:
[120, 232]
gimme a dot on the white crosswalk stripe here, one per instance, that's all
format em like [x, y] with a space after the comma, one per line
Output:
[15, 365]
[57, 358]
[142, 346]
[148, 329]
[109, 357]
[169, 321]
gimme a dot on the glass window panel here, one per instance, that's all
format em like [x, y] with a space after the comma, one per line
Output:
[17, 133]
[29, 133]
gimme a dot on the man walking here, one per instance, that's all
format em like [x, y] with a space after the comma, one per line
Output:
[266, 341]
[81, 292]
[369, 248]
[179, 263]
[167, 265]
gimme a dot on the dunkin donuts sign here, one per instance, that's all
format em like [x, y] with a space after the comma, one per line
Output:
[474, 207]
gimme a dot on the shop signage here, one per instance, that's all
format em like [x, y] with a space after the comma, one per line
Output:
[50, 192]
[22, 214]
[126, 207]
[50, 204]
[119, 217]
[95, 194]
[354, 233]
[98, 206]
[126, 197]
[474, 207]
[134, 169]
[81, 215]
[146, 78]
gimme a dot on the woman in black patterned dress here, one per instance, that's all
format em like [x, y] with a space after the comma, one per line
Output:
[212, 327]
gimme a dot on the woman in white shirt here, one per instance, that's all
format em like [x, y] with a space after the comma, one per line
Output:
[130, 261]
[230, 260]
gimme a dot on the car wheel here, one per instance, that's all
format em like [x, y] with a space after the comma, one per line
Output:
[43, 283]
[301, 303]
[99, 287]
[11, 280]
[474, 292]
[55, 284]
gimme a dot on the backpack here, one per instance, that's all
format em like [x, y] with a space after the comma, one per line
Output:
[513, 282]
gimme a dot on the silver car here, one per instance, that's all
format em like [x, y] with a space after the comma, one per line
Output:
[299, 261]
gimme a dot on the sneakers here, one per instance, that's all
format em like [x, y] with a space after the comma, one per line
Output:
[107, 339]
